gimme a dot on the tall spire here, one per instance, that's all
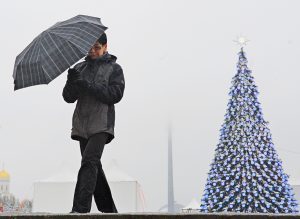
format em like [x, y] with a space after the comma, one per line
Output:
[171, 208]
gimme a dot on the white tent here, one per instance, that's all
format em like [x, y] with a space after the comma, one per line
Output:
[55, 194]
[192, 206]
[296, 187]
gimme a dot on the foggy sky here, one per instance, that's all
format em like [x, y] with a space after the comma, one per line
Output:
[178, 59]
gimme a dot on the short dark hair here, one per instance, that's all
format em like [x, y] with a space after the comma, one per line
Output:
[102, 39]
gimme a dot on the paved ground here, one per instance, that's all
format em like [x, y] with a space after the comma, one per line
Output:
[148, 216]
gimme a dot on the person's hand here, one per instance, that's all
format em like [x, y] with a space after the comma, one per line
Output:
[83, 84]
[73, 75]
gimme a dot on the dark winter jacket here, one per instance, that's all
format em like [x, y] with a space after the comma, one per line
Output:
[95, 110]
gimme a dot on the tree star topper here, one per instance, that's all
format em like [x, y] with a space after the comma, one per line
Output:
[241, 41]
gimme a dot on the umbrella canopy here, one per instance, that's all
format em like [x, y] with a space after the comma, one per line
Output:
[55, 50]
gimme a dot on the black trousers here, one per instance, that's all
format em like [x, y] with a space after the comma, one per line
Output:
[91, 179]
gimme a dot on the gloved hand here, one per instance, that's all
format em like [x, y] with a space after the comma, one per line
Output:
[83, 84]
[73, 75]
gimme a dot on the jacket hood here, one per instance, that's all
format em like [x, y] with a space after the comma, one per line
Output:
[106, 57]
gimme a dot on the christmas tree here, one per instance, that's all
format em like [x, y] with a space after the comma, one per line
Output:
[246, 174]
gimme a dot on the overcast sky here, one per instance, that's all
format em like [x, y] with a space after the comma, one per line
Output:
[178, 59]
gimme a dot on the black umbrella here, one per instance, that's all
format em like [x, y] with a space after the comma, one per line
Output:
[55, 50]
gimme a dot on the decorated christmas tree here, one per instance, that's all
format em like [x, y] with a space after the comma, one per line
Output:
[246, 174]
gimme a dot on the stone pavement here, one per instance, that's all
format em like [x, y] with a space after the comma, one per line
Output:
[148, 216]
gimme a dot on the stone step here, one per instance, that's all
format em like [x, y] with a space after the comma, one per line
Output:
[148, 216]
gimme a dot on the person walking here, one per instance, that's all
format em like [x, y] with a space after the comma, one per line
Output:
[97, 84]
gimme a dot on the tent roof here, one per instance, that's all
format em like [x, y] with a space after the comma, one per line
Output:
[295, 183]
[192, 205]
[114, 173]
[67, 174]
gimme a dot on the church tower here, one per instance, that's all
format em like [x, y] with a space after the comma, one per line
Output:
[4, 182]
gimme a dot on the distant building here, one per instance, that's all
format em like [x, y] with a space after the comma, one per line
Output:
[4, 182]
[8, 202]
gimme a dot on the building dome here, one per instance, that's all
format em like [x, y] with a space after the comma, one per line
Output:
[4, 175]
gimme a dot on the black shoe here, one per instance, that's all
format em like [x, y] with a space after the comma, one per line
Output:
[73, 212]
